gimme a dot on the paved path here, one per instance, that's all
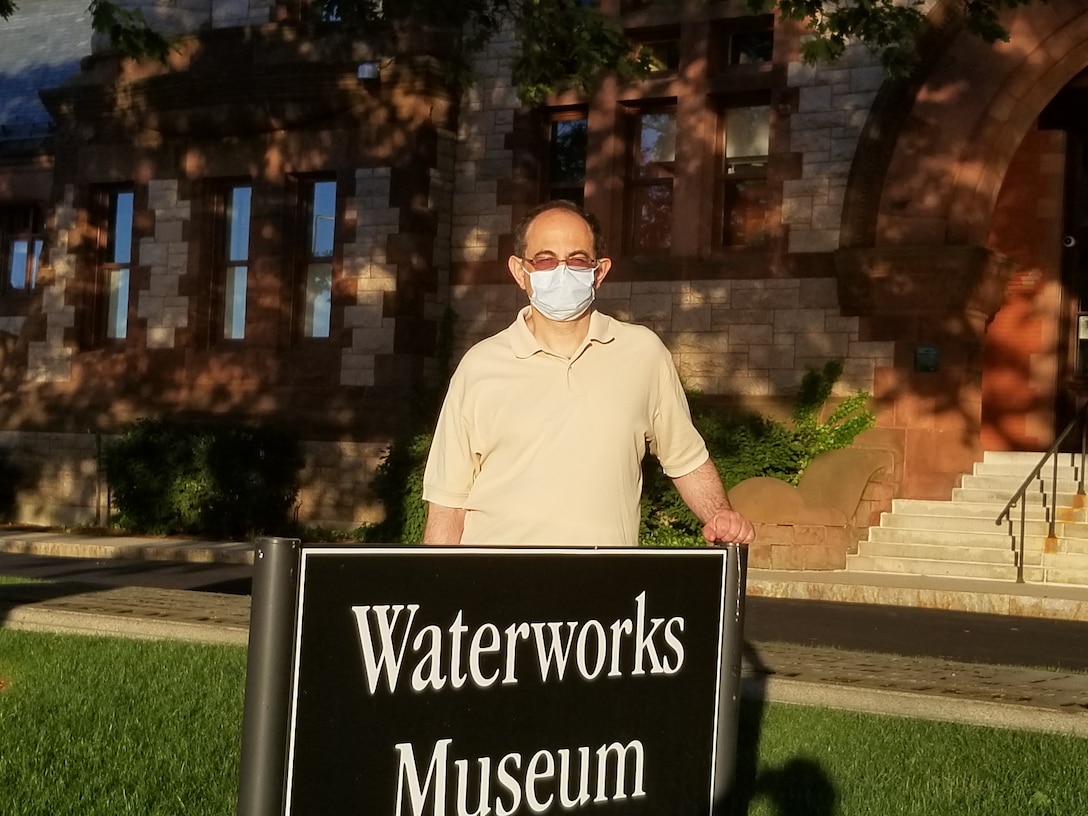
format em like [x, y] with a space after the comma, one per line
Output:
[933, 688]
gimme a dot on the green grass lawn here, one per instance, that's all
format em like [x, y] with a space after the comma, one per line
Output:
[100, 726]
[108, 726]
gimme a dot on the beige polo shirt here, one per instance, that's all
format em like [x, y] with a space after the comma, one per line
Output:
[542, 450]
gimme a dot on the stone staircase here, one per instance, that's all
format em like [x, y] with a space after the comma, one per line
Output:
[959, 537]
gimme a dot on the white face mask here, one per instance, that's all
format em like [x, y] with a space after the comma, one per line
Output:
[562, 294]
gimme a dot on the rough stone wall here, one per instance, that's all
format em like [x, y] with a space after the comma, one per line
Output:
[483, 161]
[750, 338]
[165, 253]
[833, 107]
[50, 360]
[375, 276]
[336, 481]
[61, 482]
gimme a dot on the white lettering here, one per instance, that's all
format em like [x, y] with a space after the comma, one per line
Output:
[644, 643]
[477, 648]
[483, 654]
[583, 664]
[621, 752]
[675, 644]
[564, 775]
[535, 774]
[482, 807]
[511, 784]
[513, 632]
[556, 650]
[457, 631]
[542, 782]
[428, 671]
[619, 629]
[385, 660]
[436, 773]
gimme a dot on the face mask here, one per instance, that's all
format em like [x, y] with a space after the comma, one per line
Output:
[562, 294]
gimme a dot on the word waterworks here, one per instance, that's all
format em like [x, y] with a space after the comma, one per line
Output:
[458, 654]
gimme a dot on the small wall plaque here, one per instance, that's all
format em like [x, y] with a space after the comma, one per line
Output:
[927, 359]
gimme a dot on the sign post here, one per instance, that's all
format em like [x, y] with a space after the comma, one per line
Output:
[268, 676]
[460, 681]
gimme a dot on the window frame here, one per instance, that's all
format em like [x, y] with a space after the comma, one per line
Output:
[307, 260]
[224, 263]
[553, 188]
[21, 223]
[663, 176]
[105, 200]
[748, 168]
[723, 37]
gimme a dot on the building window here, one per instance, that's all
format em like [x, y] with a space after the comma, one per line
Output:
[21, 246]
[319, 212]
[567, 157]
[749, 41]
[742, 176]
[232, 261]
[659, 47]
[116, 269]
[649, 182]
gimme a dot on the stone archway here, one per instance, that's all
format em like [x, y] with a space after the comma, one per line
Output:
[918, 261]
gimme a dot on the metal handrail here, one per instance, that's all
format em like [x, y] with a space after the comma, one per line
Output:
[1051, 508]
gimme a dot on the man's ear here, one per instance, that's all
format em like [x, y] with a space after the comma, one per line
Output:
[602, 270]
[518, 273]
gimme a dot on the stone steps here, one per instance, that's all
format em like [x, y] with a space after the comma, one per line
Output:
[960, 538]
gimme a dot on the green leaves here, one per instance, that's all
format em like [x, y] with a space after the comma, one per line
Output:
[744, 446]
[128, 31]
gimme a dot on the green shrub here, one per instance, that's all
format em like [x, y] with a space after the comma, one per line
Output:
[399, 484]
[744, 446]
[216, 479]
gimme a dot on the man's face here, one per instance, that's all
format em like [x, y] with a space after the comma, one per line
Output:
[560, 235]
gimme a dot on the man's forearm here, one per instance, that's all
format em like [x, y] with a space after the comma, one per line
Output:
[702, 491]
[445, 525]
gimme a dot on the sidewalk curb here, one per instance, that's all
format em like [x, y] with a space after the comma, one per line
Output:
[915, 705]
[31, 619]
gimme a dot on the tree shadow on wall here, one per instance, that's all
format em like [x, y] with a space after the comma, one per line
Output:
[797, 787]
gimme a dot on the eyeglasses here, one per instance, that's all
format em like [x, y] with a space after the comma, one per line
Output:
[547, 263]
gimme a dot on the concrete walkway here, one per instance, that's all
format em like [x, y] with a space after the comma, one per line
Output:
[930, 688]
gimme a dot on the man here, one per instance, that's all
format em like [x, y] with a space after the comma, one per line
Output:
[542, 433]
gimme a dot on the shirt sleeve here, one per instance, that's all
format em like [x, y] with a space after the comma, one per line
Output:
[451, 466]
[675, 441]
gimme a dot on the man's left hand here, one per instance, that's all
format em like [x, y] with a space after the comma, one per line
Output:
[729, 527]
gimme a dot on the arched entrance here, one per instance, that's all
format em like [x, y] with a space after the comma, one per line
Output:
[1035, 363]
[938, 250]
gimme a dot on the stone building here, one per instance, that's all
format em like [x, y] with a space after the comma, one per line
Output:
[272, 224]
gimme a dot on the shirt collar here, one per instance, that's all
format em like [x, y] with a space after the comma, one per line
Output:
[524, 344]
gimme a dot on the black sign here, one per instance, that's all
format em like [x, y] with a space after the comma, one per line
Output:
[473, 682]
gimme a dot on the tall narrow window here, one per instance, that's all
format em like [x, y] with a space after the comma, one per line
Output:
[649, 182]
[744, 195]
[235, 263]
[320, 208]
[567, 157]
[117, 268]
[21, 244]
